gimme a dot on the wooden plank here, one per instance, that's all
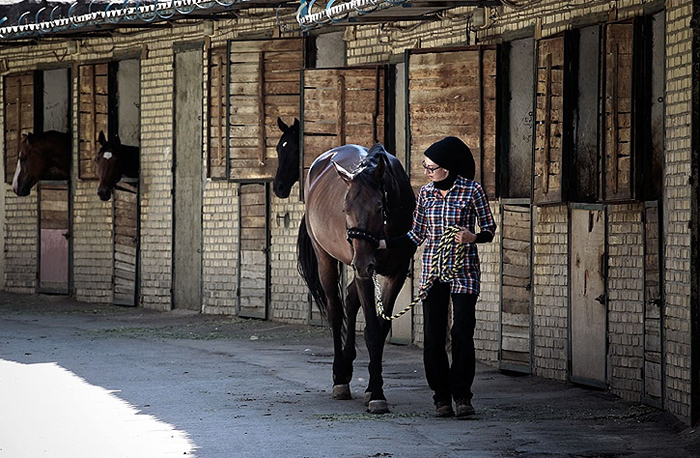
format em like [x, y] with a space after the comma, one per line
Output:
[618, 91]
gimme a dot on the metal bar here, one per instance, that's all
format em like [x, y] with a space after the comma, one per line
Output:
[340, 126]
[547, 123]
[375, 114]
[614, 112]
[261, 109]
[219, 110]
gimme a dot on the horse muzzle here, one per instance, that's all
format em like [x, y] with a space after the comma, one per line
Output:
[363, 261]
[105, 193]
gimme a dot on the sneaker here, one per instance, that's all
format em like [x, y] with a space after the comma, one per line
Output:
[464, 408]
[444, 409]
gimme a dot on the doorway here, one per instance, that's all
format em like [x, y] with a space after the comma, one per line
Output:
[588, 304]
[187, 159]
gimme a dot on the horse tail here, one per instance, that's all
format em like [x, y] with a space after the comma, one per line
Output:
[307, 264]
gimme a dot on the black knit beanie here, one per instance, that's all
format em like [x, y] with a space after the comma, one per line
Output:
[453, 154]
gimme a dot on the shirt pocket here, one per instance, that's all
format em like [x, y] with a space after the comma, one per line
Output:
[456, 213]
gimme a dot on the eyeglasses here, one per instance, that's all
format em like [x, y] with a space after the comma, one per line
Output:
[428, 168]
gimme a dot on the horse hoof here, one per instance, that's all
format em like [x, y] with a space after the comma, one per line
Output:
[378, 406]
[368, 396]
[341, 392]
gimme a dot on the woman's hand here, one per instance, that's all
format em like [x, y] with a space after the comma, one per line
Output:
[465, 236]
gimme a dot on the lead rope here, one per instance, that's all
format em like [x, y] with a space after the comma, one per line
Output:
[443, 251]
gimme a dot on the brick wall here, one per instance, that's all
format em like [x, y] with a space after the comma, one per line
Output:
[488, 306]
[220, 248]
[677, 196]
[288, 294]
[550, 291]
[625, 283]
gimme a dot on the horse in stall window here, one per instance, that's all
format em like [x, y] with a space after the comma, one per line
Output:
[42, 156]
[354, 197]
[114, 161]
[288, 159]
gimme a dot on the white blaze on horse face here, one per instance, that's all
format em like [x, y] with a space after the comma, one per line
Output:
[15, 179]
[107, 155]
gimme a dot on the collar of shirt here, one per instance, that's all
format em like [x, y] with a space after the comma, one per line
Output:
[459, 184]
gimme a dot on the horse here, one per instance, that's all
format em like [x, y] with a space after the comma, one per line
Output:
[288, 159]
[42, 156]
[114, 160]
[355, 197]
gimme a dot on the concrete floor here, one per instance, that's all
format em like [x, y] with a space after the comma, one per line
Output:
[85, 380]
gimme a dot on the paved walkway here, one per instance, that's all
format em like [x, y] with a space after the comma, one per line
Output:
[94, 381]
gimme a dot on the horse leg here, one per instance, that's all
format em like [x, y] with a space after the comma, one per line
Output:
[352, 306]
[329, 276]
[376, 331]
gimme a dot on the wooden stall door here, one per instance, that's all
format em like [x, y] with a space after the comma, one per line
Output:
[588, 312]
[53, 242]
[187, 218]
[653, 346]
[342, 106]
[253, 256]
[93, 112]
[126, 243]
[19, 117]
[453, 93]
[618, 115]
[264, 83]
[516, 307]
[549, 121]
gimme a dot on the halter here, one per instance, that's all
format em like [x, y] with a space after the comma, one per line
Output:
[363, 234]
[357, 233]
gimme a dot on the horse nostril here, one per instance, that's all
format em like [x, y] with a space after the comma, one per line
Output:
[370, 269]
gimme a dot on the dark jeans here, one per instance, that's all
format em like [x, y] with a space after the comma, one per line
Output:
[449, 382]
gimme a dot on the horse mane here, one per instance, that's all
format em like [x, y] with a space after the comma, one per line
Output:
[400, 199]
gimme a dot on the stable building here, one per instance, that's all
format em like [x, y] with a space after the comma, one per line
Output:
[582, 117]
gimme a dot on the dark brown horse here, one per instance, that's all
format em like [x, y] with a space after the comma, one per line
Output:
[43, 156]
[114, 160]
[288, 159]
[354, 197]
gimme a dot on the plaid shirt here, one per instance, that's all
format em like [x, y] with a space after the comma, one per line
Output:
[464, 203]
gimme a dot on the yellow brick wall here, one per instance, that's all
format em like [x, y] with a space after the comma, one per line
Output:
[677, 198]
[288, 294]
[625, 294]
[550, 291]
[488, 306]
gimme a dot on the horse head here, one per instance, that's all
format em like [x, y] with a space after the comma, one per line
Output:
[108, 169]
[288, 159]
[30, 165]
[43, 156]
[365, 213]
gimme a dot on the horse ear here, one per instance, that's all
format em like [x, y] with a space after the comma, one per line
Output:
[378, 172]
[101, 138]
[283, 127]
[342, 172]
[117, 140]
[296, 124]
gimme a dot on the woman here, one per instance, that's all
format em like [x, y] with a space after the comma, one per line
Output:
[451, 198]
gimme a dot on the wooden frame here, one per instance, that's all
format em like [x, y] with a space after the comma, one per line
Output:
[20, 115]
[93, 114]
